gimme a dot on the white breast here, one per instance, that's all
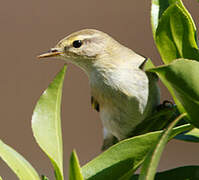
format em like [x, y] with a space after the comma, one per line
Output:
[122, 93]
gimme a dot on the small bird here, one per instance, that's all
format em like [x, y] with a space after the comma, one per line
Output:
[122, 93]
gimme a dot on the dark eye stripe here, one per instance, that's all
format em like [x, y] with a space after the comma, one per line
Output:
[77, 43]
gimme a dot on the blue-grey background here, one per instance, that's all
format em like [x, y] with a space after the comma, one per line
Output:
[31, 27]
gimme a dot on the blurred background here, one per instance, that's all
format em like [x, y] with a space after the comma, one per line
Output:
[29, 28]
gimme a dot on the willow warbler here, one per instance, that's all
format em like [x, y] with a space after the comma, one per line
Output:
[122, 93]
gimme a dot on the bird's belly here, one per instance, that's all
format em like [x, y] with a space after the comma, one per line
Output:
[122, 117]
[122, 95]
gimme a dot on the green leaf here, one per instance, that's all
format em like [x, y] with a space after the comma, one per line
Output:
[17, 163]
[176, 34]
[181, 173]
[158, 121]
[122, 159]
[44, 177]
[46, 123]
[152, 160]
[190, 136]
[167, 18]
[1, 178]
[157, 9]
[148, 65]
[181, 77]
[75, 170]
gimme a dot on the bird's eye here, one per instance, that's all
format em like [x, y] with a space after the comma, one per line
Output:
[53, 50]
[77, 43]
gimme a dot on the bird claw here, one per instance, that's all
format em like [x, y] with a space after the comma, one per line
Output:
[165, 105]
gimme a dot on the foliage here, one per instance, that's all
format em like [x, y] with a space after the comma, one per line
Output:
[181, 173]
[175, 36]
[46, 123]
[152, 159]
[17, 163]
[75, 170]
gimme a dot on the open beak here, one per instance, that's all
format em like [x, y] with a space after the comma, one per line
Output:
[51, 53]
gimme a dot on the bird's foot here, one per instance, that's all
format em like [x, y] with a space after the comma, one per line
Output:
[165, 105]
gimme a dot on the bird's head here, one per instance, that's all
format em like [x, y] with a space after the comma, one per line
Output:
[83, 48]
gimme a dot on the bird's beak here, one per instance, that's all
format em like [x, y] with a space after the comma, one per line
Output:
[52, 53]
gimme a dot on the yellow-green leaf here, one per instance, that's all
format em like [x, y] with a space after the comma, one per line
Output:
[181, 76]
[180, 173]
[122, 159]
[75, 170]
[157, 9]
[44, 177]
[46, 123]
[176, 34]
[21, 167]
[152, 159]
[190, 136]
